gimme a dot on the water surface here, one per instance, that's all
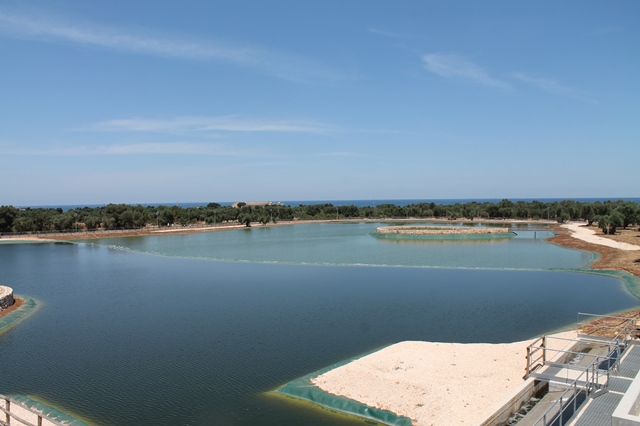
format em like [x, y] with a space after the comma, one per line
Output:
[352, 244]
[126, 338]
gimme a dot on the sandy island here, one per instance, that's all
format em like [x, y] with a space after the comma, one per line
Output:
[434, 383]
[439, 230]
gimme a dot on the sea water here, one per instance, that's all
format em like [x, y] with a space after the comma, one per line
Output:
[122, 337]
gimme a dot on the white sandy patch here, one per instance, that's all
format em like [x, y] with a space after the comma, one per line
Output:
[435, 383]
[589, 235]
[9, 238]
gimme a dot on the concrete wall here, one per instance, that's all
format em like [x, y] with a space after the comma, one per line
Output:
[6, 297]
[511, 405]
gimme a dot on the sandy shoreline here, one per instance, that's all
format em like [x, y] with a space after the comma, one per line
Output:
[579, 231]
[229, 226]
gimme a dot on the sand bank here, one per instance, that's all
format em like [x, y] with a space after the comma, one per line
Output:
[434, 383]
[439, 230]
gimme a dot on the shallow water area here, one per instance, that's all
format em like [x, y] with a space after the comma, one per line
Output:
[124, 338]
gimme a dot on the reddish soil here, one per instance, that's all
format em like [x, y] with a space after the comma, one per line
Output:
[610, 258]
[17, 302]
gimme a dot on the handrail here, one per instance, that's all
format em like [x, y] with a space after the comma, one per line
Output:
[590, 386]
[589, 380]
[622, 338]
[622, 330]
[534, 362]
[8, 414]
[530, 362]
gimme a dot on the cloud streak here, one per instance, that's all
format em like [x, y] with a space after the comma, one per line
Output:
[551, 86]
[47, 28]
[453, 66]
[147, 148]
[230, 123]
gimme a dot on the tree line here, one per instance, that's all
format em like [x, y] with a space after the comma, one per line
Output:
[609, 215]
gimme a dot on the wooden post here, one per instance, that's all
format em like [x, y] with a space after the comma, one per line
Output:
[544, 349]
[8, 405]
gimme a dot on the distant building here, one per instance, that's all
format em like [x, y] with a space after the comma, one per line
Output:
[255, 203]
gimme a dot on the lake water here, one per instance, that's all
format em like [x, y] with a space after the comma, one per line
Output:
[122, 337]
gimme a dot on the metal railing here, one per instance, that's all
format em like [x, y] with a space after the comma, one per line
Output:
[620, 328]
[11, 418]
[536, 355]
[578, 391]
[593, 376]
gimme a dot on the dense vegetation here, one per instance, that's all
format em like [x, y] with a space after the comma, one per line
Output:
[609, 215]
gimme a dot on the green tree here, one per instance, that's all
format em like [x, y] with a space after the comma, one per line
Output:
[629, 213]
[610, 223]
[588, 214]
[64, 221]
[108, 222]
[245, 219]
[8, 215]
[91, 221]
[24, 224]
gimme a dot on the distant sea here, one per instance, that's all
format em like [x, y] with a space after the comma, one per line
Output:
[358, 203]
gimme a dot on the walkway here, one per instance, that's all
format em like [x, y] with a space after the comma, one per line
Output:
[598, 411]
[589, 235]
[588, 378]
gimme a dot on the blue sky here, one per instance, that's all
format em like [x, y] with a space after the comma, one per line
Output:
[164, 101]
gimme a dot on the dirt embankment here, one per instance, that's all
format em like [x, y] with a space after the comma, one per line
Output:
[610, 258]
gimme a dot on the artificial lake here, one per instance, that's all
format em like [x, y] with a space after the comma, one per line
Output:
[197, 329]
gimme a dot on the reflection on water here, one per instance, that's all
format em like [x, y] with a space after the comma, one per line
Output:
[124, 338]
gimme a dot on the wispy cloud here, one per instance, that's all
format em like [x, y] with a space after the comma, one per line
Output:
[149, 148]
[454, 66]
[610, 30]
[230, 123]
[384, 33]
[340, 154]
[552, 86]
[43, 27]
